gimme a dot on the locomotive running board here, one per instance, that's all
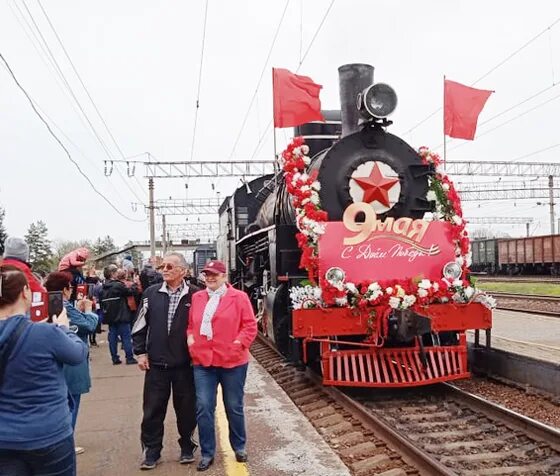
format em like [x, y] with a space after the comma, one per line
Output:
[394, 367]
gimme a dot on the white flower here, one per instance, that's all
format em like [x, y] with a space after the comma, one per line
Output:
[306, 160]
[408, 300]
[435, 286]
[457, 219]
[351, 287]
[445, 186]
[394, 302]
[305, 149]
[389, 290]
[374, 295]
[305, 200]
[468, 259]
[425, 284]
[422, 293]
[297, 151]
[400, 291]
[458, 283]
[316, 185]
[486, 300]
[305, 188]
[315, 198]
[460, 261]
[431, 196]
[374, 287]
[469, 291]
[343, 301]
[304, 177]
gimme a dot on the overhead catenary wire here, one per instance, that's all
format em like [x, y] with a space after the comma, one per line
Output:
[521, 114]
[28, 34]
[491, 70]
[199, 79]
[260, 142]
[66, 83]
[61, 143]
[261, 76]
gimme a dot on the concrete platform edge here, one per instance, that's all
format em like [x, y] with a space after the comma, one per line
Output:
[539, 374]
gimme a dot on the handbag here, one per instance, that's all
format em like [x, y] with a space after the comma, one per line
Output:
[8, 346]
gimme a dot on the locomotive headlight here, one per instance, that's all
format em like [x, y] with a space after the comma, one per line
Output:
[335, 276]
[452, 271]
[378, 101]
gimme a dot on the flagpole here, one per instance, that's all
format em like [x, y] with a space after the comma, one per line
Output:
[444, 136]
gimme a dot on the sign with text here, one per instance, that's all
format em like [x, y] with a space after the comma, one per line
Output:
[395, 248]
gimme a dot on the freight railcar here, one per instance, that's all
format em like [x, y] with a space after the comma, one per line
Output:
[355, 254]
[537, 255]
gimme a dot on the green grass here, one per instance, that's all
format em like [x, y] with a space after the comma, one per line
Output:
[521, 288]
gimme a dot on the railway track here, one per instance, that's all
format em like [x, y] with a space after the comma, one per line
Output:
[516, 279]
[529, 303]
[438, 430]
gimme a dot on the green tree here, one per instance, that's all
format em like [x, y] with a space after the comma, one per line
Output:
[3, 233]
[102, 246]
[40, 253]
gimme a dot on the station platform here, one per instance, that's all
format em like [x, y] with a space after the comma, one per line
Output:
[530, 335]
[281, 441]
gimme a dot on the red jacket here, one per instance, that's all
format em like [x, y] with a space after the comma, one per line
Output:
[34, 284]
[234, 320]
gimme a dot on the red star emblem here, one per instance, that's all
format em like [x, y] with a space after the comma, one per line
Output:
[376, 186]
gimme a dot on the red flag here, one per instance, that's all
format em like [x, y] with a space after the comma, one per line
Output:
[462, 106]
[296, 99]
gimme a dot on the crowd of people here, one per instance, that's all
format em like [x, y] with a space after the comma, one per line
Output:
[186, 339]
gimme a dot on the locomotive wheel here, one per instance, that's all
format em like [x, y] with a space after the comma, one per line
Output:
[373, 144]
[281, 321]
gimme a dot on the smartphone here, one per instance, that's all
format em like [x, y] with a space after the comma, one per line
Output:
[81, 291]
[55, 304]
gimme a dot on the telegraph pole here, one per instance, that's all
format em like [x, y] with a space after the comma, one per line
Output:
[164, 234]
[551, 195]
[527, 228]
[152, 219]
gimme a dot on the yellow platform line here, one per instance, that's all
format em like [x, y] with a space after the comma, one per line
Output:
[232, 467]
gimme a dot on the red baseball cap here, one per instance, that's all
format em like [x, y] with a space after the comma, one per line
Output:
[214, 267]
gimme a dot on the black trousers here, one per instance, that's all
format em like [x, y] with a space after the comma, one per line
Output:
[158, 384]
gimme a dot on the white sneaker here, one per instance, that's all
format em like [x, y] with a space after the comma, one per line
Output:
[79, 450]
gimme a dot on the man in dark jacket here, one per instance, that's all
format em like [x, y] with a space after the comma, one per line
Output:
[117, 313]
[149, 276]
[159, 344]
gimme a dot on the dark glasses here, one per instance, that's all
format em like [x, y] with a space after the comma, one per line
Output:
[168, 267]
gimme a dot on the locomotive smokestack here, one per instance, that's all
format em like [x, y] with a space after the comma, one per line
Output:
[353, 79]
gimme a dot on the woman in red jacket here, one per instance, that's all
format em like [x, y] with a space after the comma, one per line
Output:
[221, 328]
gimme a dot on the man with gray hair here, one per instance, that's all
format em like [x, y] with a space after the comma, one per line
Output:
[159, 343]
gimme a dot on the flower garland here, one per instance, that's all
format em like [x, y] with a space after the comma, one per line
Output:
[391, 294]
[304, 193]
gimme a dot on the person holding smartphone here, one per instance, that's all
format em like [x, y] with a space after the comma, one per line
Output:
[36, 434]
[82, 316]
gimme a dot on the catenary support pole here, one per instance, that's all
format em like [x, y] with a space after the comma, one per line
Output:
[527, 225]
[163, 234]
[551, 194]
[152, 218]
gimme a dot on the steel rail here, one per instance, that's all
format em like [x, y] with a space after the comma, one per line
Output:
[534, 428]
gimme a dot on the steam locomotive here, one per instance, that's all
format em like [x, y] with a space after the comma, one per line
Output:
[368, 178]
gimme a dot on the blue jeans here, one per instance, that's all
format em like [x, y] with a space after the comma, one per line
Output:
[74, 407]
[206, 380]
[55, 460]
[122, 330]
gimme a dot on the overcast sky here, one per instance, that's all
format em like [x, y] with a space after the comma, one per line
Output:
[140, 62]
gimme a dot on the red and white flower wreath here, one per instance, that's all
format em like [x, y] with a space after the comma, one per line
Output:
[304, 190]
